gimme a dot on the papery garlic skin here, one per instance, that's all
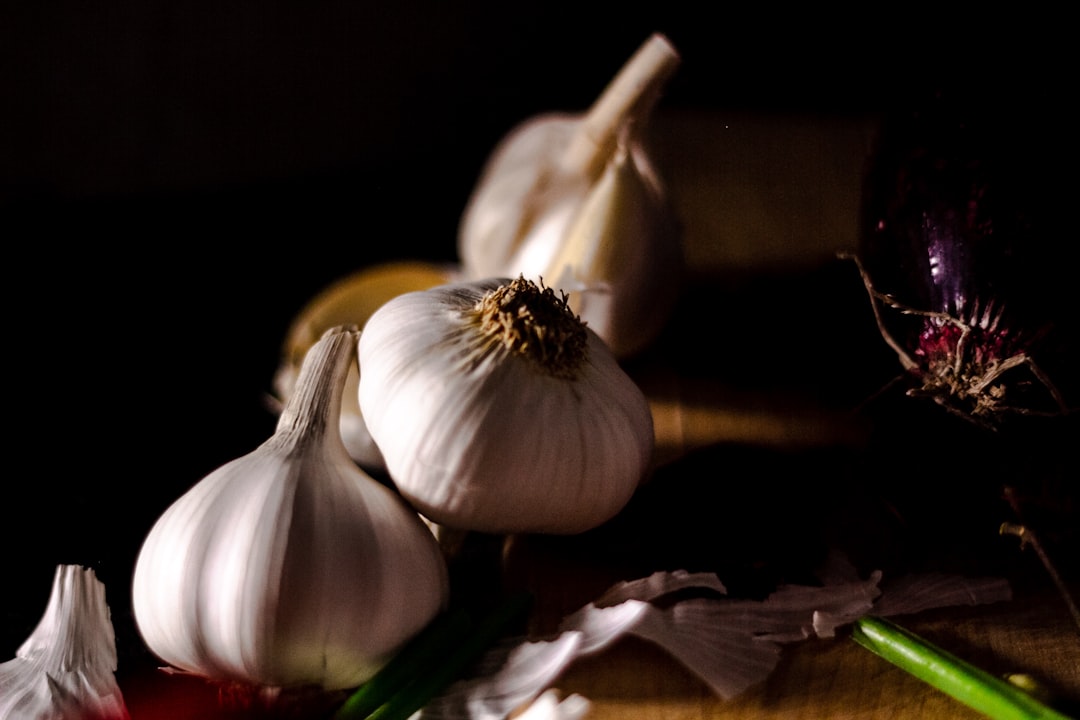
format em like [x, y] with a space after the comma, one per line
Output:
[65, 670]
[576, 201]
[290, 566]
[480, 437]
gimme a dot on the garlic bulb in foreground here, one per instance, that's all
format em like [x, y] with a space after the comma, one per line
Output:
[65, 669]
[498, 411]
[577, 201]
[350, 301]
[290, 566]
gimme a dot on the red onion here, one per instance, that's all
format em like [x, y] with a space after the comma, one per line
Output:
[958, 252]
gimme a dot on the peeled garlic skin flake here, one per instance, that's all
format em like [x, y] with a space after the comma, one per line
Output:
[479, 435]
[289, 566]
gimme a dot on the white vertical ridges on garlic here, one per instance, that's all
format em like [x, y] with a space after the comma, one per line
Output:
[66, 667]
[497, 410]
[290, 566]
[577, 201]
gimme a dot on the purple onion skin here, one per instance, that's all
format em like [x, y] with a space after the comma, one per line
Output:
[963, 260]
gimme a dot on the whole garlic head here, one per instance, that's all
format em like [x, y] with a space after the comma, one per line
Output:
[576, 200]
[497, 410]
[290, 566]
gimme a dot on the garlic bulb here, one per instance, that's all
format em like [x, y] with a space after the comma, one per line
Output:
[350, 301]
[65, 669]
[289, 566]
[498, 410]
[576, 200]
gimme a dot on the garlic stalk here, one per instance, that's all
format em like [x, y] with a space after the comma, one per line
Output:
[350, 301]
[497, 410]
[290, 566]
[578, 201]
[66, 667]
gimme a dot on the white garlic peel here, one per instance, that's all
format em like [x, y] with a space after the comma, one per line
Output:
[66, 667]
[498, 411]
[577, 201]
[289, 566]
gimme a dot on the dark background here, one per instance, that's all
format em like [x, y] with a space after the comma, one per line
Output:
[177, 178]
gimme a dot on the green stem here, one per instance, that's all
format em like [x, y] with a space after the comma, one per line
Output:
[966, 683]
[418, 657]
[434, 661]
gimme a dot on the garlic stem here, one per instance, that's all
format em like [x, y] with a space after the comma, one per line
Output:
[317, 399]
[628, 98]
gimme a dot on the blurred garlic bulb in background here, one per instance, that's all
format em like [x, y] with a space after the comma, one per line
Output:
[576, 200]
[290, 566]
[66, 668]
[350, 301]
[498, 411]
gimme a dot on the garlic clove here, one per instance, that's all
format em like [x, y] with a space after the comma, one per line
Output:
[350, 301]
[625, 290]
[498, 411]
[290, 566]
[66, 667]
[522, 194]
[558, 177]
